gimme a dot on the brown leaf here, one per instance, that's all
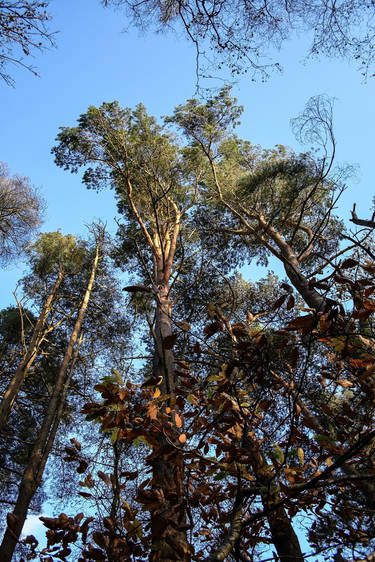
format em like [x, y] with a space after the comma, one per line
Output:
[130, 475]
[82, 467]
[137, 289]
[348, 263]
[85, 494]
[94, 554]
[304, 323]
[290, 303]
[197, 348]
[70, 451]
[212, 328]
[344, 383]
[182, 438]
[99, 539]
[50, 522]
[106, 479]
[369, 304]
[78, 518]
[159, 524]
[183, 325]
[178, 420]
[286, 287]
[169, 341]
[265, 404]
[294, 356]
[157, 392]
[280, 301]
[76, 444]
[108, 523]
[122, 393]
[152, 410]
[239, 330]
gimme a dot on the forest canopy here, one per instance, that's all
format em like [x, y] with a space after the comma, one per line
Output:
[196, 414]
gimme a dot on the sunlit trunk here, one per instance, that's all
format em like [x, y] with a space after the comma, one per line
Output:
[34, 470]
[19, 376]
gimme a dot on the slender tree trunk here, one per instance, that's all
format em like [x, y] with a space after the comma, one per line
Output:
[169, 540]
[34, 470]
[283, 535]
[15, 384]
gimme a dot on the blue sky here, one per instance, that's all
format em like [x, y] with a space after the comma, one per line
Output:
[96, 61]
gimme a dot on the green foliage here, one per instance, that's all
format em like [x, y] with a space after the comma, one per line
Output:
[53, 252]
[127, 147]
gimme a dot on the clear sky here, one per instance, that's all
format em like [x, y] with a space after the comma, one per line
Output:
[96, 61]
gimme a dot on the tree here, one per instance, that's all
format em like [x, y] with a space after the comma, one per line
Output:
[239, 34]
[243, 410]
[155, 192]
[23, 30]
[279, 201]
[21, 209]
[80, 265]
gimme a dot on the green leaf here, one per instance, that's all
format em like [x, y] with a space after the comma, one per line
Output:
[114, 435]
[279, 454]
[221, 475]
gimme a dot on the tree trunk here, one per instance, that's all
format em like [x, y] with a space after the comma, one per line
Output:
[34, 470]
[284, 538]
[311, 297]
[15, 384]
[169, 540]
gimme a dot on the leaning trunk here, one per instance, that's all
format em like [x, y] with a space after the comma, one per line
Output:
[34, 470]
[311, 297]
[15, 384]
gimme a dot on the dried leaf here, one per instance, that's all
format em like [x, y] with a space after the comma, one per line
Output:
[182, 438]
[345, 383]
[82, 467]
[157, 392]
[183, 325]
[290, 303]
[85, 494]
[105, 478]
[178, 420]
[212, 328]
[169, 341]
[76, 444]
[280, 301]
[286, 287]
[348, 263]
[304, 323]
[152, 410]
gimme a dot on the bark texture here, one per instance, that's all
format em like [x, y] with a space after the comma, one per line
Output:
[169, 540]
